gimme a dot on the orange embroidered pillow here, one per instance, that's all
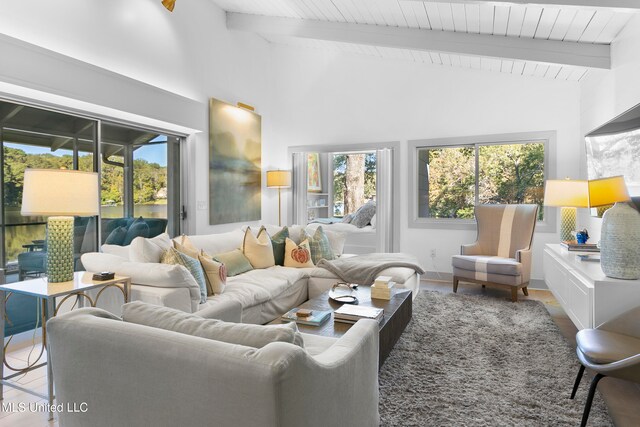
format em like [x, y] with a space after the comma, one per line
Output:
[298, 256]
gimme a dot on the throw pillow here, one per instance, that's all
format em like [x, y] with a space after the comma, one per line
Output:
[215, 274]
[373, 221]
[347, 219]
[235, 261]
[298, 256]
[256, 336]
[319, 245]
[116, 237]
[184, 245]
[138, 228]
[172, 256]
[278, 243]
[149, 250]
[258, 249]
[363, 215]
[337, 241]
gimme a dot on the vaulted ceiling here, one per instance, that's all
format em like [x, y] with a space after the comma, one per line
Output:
[554, 39]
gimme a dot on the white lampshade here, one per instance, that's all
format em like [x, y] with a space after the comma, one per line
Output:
[59, 192]
[278, 179]
[566, 193]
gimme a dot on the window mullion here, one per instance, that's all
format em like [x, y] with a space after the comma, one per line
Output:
[477, 179]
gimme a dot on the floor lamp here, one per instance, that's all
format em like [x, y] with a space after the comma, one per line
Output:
[568, 194]
[279, 179]
[59, 194]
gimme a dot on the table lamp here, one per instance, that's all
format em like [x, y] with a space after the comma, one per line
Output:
[620, 232]
[58, 194]
[279, 179]
[568, 194]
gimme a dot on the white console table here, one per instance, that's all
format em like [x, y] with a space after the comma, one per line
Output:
[584, 292]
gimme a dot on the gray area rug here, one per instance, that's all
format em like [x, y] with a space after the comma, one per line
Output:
[482, 361]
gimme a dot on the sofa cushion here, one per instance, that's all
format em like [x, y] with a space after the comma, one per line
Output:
[317, 344]
[297, 255]
[337, 241]
[258, 249]
[319, 245]
[235, 261]
[487, 264]
[218, 243]
[215, 274]
[117, 250]
[363, 215]
[278, 241]
[149, 250]
[256, 336]
[172, 256]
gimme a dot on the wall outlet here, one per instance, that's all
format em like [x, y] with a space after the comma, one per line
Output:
[202, 206]
[432, 254]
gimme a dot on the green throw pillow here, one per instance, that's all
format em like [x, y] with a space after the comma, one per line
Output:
[319, 245]
[235, 261]
[172, 256]
[278, 241]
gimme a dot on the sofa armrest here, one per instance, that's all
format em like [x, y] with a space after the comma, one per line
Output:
[523, 256]
[471, 249]
[147, 274]
[229, 311]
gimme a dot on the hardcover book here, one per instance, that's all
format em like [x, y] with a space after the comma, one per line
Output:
[316, 318]
[572, 245]
[353, 313]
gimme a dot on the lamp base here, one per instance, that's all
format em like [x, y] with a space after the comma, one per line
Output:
[567, 223]
[620, 242]
[60, 249]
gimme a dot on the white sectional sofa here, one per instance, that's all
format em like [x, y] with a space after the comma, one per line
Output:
[263, 294]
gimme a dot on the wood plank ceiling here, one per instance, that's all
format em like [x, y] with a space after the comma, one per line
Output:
[585, 25]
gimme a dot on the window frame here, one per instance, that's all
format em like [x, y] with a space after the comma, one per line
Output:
[548, 139]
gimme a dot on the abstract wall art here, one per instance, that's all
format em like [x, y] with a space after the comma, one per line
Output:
[235, 145]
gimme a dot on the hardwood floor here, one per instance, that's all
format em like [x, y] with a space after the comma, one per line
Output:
[621, 397]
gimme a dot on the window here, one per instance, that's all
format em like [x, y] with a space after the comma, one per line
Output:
[451, 176]
[354, 181]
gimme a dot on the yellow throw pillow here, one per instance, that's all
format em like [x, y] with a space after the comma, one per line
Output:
[215, 273]
[298, 256]
[184, 245]
[258, 250]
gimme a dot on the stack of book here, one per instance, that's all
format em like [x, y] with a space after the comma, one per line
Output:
[316, 318]
[352, 313]
[572, 245]
[381, 288]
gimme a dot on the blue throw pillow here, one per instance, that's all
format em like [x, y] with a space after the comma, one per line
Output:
[139, 228]
[116, 237]
[172, 256]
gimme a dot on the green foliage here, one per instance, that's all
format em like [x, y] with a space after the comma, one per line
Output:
[509, 174]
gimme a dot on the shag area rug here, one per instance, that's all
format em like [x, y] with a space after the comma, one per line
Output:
[482, 361]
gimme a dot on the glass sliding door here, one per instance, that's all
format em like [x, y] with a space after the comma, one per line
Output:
[140, 194]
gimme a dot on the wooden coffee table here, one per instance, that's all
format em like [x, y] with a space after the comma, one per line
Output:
[397, 314]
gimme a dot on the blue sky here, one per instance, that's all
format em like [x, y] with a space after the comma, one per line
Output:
[152, 153]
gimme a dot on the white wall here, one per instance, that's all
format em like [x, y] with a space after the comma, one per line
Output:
[332, 98]
[134, 56]
[607, 94]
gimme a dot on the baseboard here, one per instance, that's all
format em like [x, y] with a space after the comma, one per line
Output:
[436, 276]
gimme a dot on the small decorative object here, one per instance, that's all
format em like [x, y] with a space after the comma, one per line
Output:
[314, 183]
[104, 275]
[567, 194]
[58, 194]
[620, 234]
[303, 312]
[582, 236]
[279, 179]
[343, 292]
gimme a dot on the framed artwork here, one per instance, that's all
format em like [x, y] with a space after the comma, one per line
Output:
[314, 181]
[235, 164]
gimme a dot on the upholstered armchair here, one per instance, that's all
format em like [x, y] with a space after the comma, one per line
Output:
[501, 254]
[610, 350]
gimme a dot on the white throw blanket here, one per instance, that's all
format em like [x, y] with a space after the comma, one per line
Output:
[363, 269]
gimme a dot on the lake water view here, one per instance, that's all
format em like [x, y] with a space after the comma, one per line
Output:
[22, 230]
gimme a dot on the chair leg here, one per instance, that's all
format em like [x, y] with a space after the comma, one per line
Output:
[587, 405]
[514, 294]
[455, 284]
[525, 291]
[577, 383]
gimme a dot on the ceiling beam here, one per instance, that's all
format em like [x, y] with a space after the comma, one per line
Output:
[550, 51]
[633, 5]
